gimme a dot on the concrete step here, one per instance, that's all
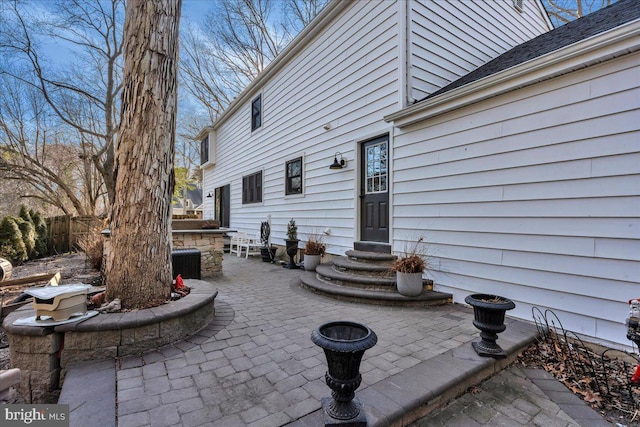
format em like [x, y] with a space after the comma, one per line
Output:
[379, 247]
[375, 295]
[411, 394]
[372, 257]
[384, 280]
[354, 266]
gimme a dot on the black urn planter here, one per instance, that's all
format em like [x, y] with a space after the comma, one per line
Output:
[488, 316]
[344, 344]
[292, 250]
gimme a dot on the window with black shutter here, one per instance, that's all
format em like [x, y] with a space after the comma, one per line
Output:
[252, 188]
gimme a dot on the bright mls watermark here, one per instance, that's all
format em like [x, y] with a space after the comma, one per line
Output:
[34, 415]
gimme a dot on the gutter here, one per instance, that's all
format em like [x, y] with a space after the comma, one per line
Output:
[610, 44]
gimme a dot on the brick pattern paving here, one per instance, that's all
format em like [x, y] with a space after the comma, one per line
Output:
[516, 397]
[256, 365]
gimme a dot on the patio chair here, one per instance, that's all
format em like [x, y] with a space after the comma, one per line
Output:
[235, 242]
[251, 245]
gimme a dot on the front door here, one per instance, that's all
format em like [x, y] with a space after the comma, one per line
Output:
[374, 190]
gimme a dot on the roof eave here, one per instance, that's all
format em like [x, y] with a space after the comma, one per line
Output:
[609, 44]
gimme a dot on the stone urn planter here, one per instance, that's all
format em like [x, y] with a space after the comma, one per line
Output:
[488, 314]
[409, 284]
[344, 344]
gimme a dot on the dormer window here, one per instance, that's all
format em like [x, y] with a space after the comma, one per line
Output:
[204, 150]
[256, 113]
[208, 149]
[519, 5]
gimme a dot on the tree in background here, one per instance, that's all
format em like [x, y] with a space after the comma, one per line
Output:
[235, 42]
[84, 96]
[298, 14]
[38, 154]
[138, 268]
[563, 11]
[188, 174]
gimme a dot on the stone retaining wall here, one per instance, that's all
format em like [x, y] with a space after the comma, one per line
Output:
[42, 353]
[209, 242]
[211, 246]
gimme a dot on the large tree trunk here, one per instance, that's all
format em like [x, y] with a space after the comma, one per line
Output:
[138, 270]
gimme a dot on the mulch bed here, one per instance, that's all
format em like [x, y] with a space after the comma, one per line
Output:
[599, 376]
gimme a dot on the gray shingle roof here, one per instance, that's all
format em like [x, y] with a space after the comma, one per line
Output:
[595, 23]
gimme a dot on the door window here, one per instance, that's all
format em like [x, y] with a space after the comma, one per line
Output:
[376, 168]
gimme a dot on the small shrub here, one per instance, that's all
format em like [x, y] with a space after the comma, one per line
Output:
[28, 230]
[292, 230]
[92, 244]
[12, 246]
[42, 248]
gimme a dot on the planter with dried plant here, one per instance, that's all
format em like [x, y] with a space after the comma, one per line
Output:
[409, 268]
[314, 250]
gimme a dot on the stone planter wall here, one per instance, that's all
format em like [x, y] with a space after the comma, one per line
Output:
[42, 353]
[37, 358]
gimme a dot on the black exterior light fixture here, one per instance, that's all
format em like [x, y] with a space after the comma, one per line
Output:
[338, 164]
[209, 196]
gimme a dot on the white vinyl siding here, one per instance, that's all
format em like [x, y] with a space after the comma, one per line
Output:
[346, 77]
[448, 39]
[533, 195]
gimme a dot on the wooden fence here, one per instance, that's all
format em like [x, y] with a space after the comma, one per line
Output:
[65, 231]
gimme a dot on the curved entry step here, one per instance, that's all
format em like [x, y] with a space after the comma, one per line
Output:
[367, 277]
[309, 280]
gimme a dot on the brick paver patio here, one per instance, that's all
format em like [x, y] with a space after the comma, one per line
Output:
[261, 368]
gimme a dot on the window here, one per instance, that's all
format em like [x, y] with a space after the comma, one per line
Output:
[293, 176]
[252, 188]
[256, 113]
[204, 150]
[376, 168]
[518, 4]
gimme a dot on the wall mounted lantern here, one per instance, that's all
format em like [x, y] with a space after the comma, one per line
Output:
[338, 164]
[209, 196]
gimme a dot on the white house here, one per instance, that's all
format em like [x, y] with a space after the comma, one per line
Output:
[521, 169]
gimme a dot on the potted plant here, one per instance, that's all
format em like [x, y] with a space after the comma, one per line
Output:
[267, 252]
[409, 268]
[313, 252]
[292, 244]
[488, 316]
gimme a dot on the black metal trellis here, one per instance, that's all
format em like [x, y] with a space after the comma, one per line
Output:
[582, 366]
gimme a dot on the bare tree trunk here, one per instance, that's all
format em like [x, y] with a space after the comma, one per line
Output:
[138, 270]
